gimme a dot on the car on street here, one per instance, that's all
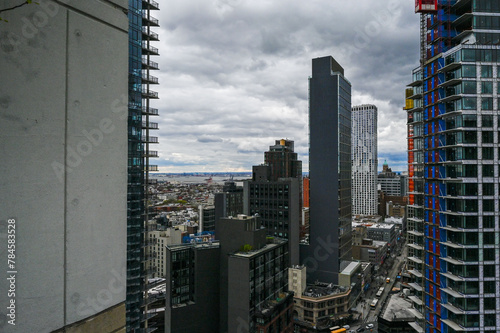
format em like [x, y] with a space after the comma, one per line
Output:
[361, 329]
[369, 326]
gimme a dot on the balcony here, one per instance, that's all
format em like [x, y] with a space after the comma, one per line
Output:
[152, 168]
[150, 4]
[150, 139]
[146, 93]
[151, 153]
[149, 64]
[149, 111]
[148, 49]
[149, 20]
[149, 125]
[149, 79]
[148, 34]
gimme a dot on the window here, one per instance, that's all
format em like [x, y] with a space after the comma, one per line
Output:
[487, 136]
[470, 120]
[469, 103]
[469, 87]
[487, 103]
[488, 206]
[488, 170]
[487, 87]
[487, 121]
[488, 189]
[486, 71]
[469, 71]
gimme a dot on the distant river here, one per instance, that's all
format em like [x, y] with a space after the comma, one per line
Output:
[196, 179]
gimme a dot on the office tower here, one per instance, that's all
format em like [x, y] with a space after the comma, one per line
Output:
[284, 164]
[364, 159]
[275, 199]
[237, 284]
[283, 160]
[229, 202]
[329, 170]
[390, 182]
[453, 162]
[139, 139]
[64, 166]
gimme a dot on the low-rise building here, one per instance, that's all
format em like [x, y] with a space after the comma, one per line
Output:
[370, 250]
[159, 240]
[319, 305]
[384, 232]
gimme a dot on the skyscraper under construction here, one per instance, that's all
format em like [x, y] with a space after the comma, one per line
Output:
[453, 157]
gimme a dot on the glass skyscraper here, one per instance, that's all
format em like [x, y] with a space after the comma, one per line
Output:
[453, 155]
[139, 110]
[330, 170]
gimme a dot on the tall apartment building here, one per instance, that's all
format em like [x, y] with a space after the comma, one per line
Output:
[364, 159]
[276, 199]
[330, 170]
[140, 109]
[64, 166]
[453, 159]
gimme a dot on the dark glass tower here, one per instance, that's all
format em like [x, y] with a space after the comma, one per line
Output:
[139, 110]
[453, 155]
[330, 171]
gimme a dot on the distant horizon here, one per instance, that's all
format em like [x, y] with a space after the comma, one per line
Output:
[204, 173]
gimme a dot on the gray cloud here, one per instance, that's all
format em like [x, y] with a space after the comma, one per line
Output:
[234, 75]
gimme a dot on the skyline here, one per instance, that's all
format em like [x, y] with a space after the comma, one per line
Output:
[234, 76]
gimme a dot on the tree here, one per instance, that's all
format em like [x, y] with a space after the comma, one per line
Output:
[27, 2]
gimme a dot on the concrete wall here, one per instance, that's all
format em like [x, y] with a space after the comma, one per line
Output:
[238, 286]
[63, 172]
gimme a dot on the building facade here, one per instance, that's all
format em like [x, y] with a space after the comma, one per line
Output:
[453, 167]
[318, 306]
[229, 202]
[140, 108]
[276, 199]
[364, 159]
[236, 284]
[330, 168]
[206, 220]
[390, 182]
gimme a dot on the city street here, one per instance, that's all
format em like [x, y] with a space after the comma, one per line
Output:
[391, 269]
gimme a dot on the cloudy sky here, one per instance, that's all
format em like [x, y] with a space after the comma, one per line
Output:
[234, 75]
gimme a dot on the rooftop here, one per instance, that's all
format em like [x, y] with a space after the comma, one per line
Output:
[272, 242]
[398, 309]
[351, 268]
[381, 226]
[267, 308]
[321, 289]
[395, 220]
[207, 245]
